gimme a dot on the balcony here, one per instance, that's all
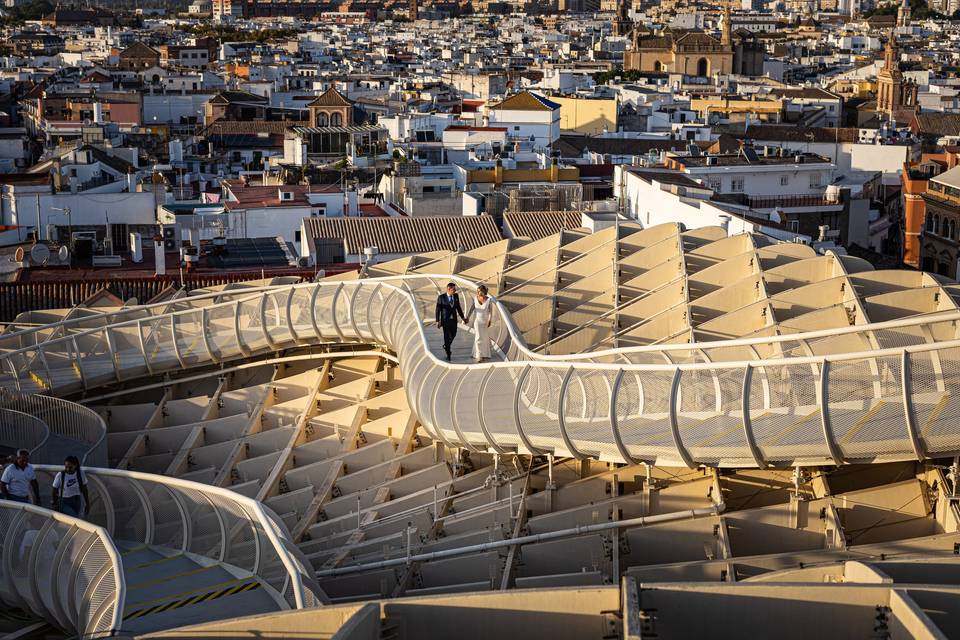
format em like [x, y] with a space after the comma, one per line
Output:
[791, 202]
[948, 196]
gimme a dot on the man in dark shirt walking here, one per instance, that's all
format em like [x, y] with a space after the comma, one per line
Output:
[448, 308]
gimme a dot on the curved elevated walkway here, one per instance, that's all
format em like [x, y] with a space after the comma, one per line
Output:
[823, 397]
[157, 553]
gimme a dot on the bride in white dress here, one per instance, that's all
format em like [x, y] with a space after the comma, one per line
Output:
[482, 316]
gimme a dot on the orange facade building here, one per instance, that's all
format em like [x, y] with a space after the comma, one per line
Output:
[914, 181]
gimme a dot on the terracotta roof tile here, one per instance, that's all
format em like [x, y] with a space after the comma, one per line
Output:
[330, 98]
[406, 235]
[540, 224]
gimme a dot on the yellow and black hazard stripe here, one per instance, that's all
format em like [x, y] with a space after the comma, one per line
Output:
[192, 600]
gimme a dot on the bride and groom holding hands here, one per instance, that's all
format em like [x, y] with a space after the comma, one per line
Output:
[448, 311]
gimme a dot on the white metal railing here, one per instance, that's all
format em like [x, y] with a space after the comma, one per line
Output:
[865, 393]
[56, 417]
[75, 564]
[199, 519]
[19, 430]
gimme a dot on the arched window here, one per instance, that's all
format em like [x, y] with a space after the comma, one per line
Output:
[658, 66]
[953, 230]
[321, 119]
[945, 261]
[936, 224]
[336, 120]
[929, 225]
[703, 67]
[944, 231]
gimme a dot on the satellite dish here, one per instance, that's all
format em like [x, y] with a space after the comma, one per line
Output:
[18, 255]
[63, 254]
[39, 254]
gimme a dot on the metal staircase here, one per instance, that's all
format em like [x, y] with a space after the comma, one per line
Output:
[156, 553]
[167, 589]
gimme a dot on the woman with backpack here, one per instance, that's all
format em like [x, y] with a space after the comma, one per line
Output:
[68, 486]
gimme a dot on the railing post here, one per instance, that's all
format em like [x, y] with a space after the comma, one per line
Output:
[454, 397]
[351, 309]
[143, 348]
[828, 438]
[114, 356]
[46, 365]
[615, 420]
[561, 416]
[483, 424]
[289, 314]
[263, 321]
[79, 362]
[745, 412]
[906, 384]
[241, 345]
[369, 311]
[516, 413]
[313, 310]
[432, 405]
[682, 453]
[173, 338]
[205, 332]
[333, 312]
[15, 374]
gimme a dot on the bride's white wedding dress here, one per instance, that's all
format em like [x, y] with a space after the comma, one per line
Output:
[481, 333]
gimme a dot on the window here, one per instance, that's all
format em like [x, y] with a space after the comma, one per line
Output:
[714, 184]
[815, 180]
[784, 181]
[929, 225]
[795, 226]
[736, 185]
[516, 128]
[936, 224]
[296, 236]
[336, 120]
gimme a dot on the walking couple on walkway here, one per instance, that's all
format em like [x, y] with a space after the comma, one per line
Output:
[449, 309]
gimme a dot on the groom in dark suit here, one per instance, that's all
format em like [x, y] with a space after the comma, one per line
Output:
[448, 308]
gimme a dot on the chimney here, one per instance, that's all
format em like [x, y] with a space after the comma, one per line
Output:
[160, 259]
[725, 223]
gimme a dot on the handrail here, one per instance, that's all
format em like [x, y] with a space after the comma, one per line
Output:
[515, 334]
[19, 430]
[684, 410]
[69, 557]
[201, 519]
[63, 418]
